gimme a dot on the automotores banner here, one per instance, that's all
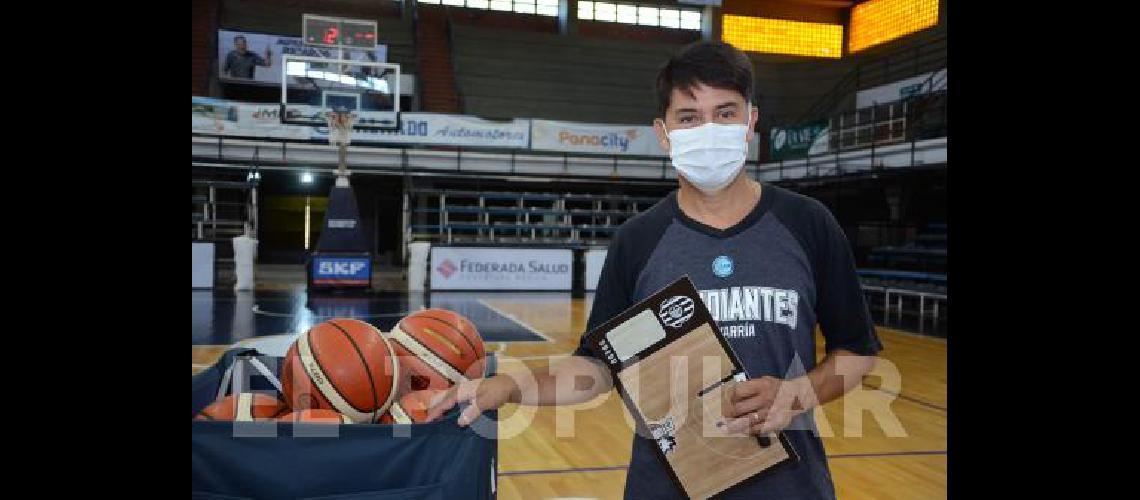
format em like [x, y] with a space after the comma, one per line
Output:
[221, 117]
[469, 268]
[797, 142]
[574, 137]
[256, 57]
[445, 130]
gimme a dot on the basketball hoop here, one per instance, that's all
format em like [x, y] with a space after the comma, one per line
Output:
[340, 127]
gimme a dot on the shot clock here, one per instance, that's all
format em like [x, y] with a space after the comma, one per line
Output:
[336, 32]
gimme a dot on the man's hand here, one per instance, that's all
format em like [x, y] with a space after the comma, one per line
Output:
[482, 394]
[766, 404]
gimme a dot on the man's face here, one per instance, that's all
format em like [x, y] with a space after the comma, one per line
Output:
[239, 44]
[705, 105]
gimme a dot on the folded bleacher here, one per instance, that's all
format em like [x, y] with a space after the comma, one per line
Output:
[512, 74]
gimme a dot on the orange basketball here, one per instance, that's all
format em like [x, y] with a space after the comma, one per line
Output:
[437, 348]
[344, 365]
[411, 408]
[315, 416]
[246, 407]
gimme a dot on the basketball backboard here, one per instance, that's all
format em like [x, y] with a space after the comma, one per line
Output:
[312, 86]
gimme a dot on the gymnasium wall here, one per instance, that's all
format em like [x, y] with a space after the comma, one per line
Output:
[203, 42]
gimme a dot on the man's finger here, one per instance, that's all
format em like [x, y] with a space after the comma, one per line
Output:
[465, 391]
[747, 389]
[768, 426]
[441, 403]
[755, 403]
[469, 414]
[739, 425]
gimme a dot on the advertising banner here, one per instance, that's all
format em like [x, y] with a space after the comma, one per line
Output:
[256, 57]
[573, 137]
[460, 268]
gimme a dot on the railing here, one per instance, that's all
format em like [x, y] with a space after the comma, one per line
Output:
[207, 220]
[904, 133]
[897, 65]
[935, 300]
[875, 125]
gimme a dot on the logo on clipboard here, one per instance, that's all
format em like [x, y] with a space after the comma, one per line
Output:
[676, 310]
[665, 434]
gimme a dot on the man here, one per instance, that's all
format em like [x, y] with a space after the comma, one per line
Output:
[240, 62]
[735, 238]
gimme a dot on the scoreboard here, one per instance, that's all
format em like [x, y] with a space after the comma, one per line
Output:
[337, 32]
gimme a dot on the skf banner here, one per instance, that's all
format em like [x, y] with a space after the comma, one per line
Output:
[256, 58]
[341, 270]
[445, 130]
[572, 137]
[460, 268]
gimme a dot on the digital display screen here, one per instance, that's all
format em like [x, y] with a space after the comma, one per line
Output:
[336, 32]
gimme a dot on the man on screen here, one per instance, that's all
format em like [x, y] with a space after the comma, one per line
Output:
[734, 237]
[240, 62]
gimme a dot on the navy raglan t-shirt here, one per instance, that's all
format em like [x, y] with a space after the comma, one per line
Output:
[767, 281]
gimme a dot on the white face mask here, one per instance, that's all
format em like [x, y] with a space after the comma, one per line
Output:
[709, 156]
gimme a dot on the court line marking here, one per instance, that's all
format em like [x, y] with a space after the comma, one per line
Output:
[563, 471]
[257, 310]
[622, 467]
[907, 398]
[889, 454]
[513, 318]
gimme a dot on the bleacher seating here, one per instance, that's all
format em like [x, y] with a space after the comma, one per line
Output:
[399, 36]
[451, 216]
[918, 265]
[512, 74]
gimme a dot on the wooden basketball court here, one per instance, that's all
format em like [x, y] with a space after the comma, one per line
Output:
[583, 453]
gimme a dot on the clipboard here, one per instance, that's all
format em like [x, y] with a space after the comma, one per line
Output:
[670, 364]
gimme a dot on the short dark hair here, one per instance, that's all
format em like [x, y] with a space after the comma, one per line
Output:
[716, 64]
[241, 37]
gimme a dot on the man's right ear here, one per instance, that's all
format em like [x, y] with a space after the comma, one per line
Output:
[662, 134]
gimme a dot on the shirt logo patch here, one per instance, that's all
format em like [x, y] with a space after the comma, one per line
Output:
[722, 266]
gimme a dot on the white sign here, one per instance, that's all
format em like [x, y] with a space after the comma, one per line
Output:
[445, 130]
[218, 116]
[595, 258]
[573, 137]
[465, 268]
[895, 91]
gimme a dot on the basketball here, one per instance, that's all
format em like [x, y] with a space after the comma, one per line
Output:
[315, 416]
[438, 348]
[344, 365]
[246, 407]
[411, 408]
